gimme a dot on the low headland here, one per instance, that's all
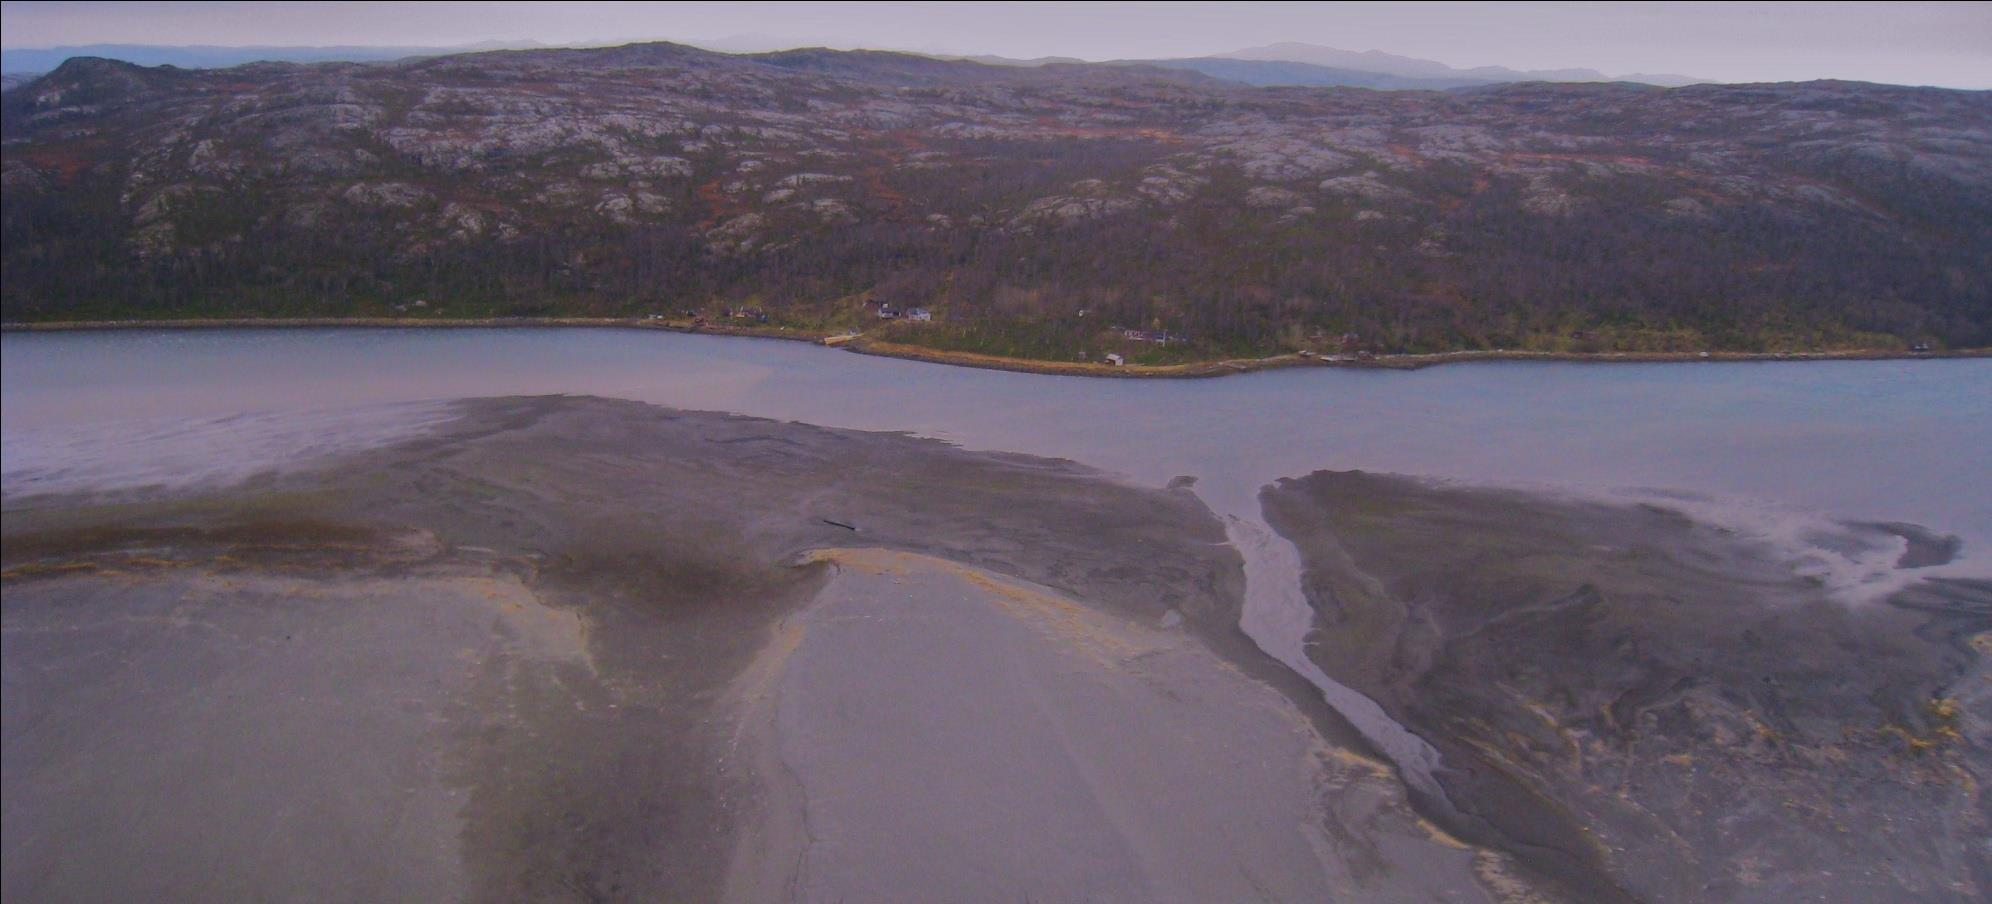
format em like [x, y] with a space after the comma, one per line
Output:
[866, 344]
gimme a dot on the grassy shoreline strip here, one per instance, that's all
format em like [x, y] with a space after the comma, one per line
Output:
[880, 348]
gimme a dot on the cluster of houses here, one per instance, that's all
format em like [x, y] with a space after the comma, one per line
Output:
[748, 312]
[1159, 337]
[916, 315]
[1162, 337]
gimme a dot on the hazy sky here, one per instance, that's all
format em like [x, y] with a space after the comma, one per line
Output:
[1912, 43]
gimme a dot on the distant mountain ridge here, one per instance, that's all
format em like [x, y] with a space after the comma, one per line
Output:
[1413, 67]
[1292, 64]
[36, 60]
[1287, 73]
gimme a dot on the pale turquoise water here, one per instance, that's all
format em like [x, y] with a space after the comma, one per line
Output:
[1896, 440]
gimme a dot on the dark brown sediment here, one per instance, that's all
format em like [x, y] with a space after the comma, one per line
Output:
[1669, 703]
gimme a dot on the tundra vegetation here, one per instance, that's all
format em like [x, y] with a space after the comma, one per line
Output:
[1031, 209]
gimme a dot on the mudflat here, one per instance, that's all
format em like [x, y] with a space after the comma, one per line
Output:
[569, 648]
[1658, 703]
[939, 729]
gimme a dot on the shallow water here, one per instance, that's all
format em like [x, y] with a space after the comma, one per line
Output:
[1871, 440]
[1779, 451]
[171, 452]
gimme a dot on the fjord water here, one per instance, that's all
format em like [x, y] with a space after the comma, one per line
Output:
[1752, 442]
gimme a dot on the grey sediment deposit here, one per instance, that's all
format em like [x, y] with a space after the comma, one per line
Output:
[1658, 708]
[1921, 548]
[934, 729]
[569, 648]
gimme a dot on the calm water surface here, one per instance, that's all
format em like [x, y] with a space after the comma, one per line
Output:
[1898, 440]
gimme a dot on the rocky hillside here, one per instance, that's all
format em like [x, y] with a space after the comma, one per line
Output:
[1028, 208]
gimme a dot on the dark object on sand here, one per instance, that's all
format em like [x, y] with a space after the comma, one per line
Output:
[850, 527]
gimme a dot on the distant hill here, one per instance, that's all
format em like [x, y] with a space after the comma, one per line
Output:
[1275, 64]
[43, 59]
[1007, 200]
[1268, 73]
[1412, 67]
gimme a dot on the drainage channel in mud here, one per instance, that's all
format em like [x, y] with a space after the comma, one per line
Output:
[1277, 618]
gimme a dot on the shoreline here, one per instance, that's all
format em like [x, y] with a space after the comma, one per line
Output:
[859, 344]
[626, 641]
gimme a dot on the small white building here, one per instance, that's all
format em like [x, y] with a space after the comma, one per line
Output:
[1115, 359]
[919, 315]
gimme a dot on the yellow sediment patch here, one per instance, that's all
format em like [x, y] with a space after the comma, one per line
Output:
[538, 629]
[763, 861]
[38, 569]
[1062, 617]
[865, 560]
[1526, 778]
[1548, 718]
[756, 683]
[1499, 880]
[105, 565]
[1490, 867]
[1442, 837]
[153, 562]
[558, 631]
[1105, 648]
[1111, 641]
[1374, 767]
